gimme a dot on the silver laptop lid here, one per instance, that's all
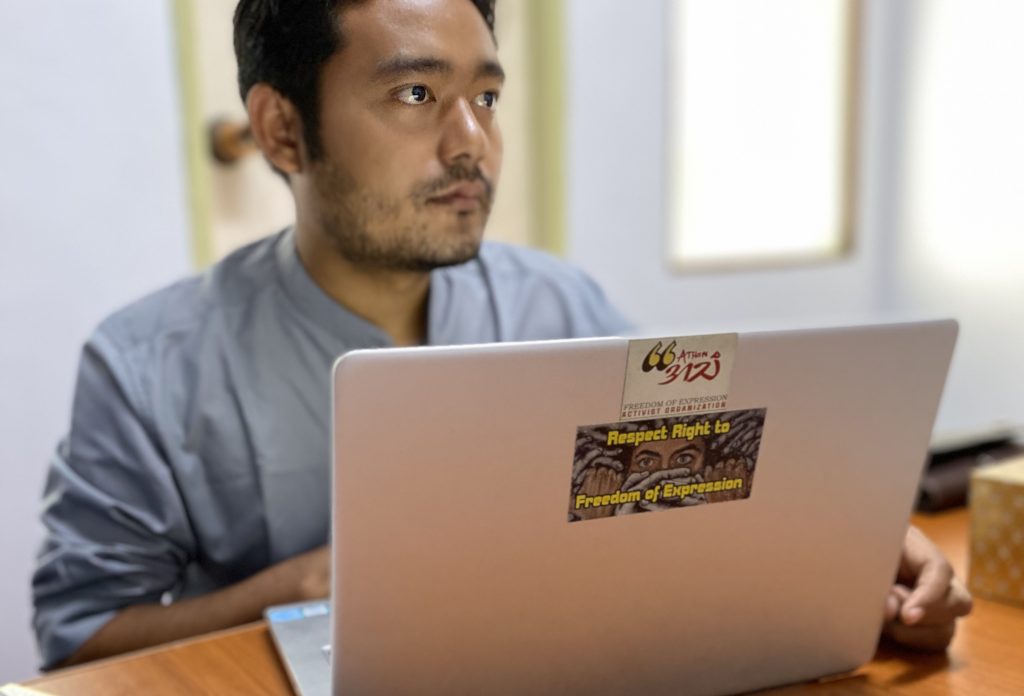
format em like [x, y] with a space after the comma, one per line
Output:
[457, 568]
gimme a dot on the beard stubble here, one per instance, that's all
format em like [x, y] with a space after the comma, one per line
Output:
[399, 233]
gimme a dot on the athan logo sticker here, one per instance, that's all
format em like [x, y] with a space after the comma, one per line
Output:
[667, 376]
[664, 463]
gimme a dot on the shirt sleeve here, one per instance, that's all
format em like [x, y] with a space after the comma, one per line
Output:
[117, 533]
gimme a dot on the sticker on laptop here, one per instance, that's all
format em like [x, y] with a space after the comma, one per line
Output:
[664, 463]
[668, 376]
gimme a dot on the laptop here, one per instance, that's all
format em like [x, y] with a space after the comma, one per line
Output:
[699, 515]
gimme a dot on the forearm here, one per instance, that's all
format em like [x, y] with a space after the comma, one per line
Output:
[145, 625]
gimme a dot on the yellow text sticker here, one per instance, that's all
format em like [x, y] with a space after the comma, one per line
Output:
[664, 463]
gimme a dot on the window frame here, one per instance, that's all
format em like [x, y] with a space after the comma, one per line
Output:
[849, 166]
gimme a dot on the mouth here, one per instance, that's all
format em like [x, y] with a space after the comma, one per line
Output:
[466, 196]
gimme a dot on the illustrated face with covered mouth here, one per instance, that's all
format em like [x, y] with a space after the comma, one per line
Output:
[662, 455]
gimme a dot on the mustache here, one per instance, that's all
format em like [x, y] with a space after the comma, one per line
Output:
[455, 174]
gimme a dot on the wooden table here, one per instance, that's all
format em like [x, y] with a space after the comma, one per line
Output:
[987, 656]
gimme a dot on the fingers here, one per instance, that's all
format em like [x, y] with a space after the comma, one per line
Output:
[892, 607]
[955, 604]
[929, 638]
[930, 591]
[925, 569]
[961, 599]
[894, 601]
[923, 616]
[314, 573]
[920, 637]
[937, 596]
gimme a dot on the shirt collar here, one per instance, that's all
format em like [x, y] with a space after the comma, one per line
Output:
[323, 310]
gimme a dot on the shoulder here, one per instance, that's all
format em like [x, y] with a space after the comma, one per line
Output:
[516, 264]
[539, 295]
[511, 269]
[189, 305]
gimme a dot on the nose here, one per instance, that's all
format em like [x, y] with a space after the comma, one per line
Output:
[463, 137]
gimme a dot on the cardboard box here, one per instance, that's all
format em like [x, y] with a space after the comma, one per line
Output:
[997, 532]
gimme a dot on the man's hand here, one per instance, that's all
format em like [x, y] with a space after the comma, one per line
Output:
[927, 599]
[313, 570]
[298, 579]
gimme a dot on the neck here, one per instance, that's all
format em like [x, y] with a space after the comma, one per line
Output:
[394, 301]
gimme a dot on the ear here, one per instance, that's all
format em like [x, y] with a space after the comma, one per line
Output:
[276, 127]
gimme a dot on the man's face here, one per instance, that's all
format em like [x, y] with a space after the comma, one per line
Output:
[668, 454]
[411, 147]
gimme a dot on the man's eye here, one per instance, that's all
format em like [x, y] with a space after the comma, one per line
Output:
[416, 94]
[488, 100]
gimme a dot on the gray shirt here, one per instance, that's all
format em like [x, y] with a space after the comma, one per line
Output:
[198, 452]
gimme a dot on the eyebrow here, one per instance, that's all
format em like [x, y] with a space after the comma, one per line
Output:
[490, 68]
[404, 65]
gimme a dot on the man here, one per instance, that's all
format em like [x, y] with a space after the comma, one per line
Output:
[192, 489]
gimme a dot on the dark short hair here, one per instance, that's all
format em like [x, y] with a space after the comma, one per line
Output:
[285, 43]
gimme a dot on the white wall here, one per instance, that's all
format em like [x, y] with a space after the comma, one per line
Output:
[92, 214]
[965, 261]
[617, 201]
[961, 250]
